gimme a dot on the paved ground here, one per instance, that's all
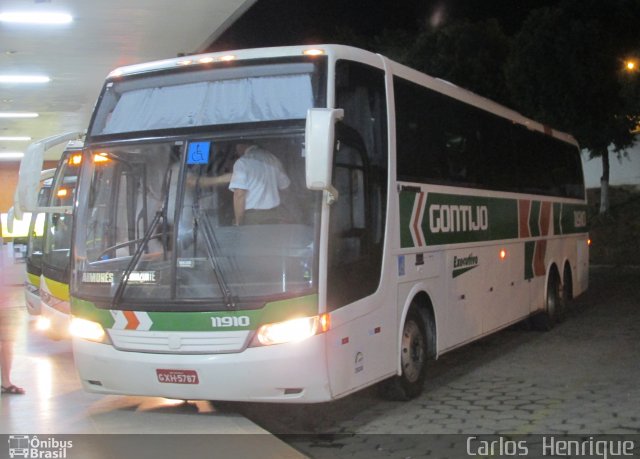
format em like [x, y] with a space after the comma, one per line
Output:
[580, 378]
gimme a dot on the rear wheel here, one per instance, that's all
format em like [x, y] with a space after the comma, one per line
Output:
[567, 285]
[413, 360]
[554, 305]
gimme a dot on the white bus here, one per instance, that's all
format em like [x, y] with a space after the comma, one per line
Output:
[419, 217]
[55, 261]
[49, 240]
[35, 241]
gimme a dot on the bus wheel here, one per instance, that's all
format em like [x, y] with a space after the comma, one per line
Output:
[554, 305]
[413, 360]
[567, 287]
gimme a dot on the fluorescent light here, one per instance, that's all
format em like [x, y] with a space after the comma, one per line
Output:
[36, 17]
[16, 138]
[18, 115]
[11, 155]
[24, 79]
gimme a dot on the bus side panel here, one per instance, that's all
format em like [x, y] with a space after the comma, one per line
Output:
[361, 343]
[507, 290]
[465, 306]
[422, 273]
[581, 271]
[556, 252]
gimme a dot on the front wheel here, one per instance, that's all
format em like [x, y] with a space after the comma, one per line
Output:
[413, 361]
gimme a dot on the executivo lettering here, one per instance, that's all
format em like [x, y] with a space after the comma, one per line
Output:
[452, 219]
[470, 260]
[463, 264]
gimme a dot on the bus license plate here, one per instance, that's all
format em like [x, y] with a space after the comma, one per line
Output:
[177, 376]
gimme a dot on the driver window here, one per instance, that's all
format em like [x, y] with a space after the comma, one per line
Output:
[348, 212]
[357, 221]
[352, 272]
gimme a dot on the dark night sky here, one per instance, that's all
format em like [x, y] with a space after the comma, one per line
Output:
[288, 22]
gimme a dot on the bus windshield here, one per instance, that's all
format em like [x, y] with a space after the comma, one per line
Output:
[159, 228]
[35, 243]
[55, 259]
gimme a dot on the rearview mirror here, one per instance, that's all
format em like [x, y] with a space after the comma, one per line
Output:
[319, 146]
[11, 215]
[26, 196]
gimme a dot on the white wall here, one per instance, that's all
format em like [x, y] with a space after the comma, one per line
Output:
[625, 171]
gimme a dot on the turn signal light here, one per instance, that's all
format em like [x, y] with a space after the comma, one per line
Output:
[101, 158]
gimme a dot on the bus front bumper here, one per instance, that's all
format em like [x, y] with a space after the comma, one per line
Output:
[32, 299]
[293, 372]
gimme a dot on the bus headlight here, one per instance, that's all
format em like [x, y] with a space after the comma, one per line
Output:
[43, 323]
[86, 329]
[291, 330]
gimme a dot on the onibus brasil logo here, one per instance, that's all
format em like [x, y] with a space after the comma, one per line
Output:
[32, 447]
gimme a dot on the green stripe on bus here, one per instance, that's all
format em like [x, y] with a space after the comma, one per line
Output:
[87, 310]
[453, 219]
[529, 251]
[407, 202]
[534, 219]
[573, 219]
[557, 215]
[277, 311]
[58, 290]
[457, 272]
[33, 280]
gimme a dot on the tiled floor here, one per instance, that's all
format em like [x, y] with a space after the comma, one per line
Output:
[56, 404]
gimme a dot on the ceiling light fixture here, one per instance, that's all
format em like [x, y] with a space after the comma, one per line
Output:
[18, 115]
[36, 17]
[24, 79]
[11, 155]
[15, 138]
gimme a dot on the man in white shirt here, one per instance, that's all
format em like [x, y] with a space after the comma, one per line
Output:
[258, 177]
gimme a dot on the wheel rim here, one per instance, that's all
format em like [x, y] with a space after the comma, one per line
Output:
[413, 354]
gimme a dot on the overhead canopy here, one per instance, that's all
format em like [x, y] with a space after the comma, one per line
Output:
[78, 56]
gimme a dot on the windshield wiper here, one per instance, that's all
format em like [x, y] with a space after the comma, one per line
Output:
[160, 214]
[212, 250]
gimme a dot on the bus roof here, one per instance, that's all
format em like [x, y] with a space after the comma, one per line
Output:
[347, 52]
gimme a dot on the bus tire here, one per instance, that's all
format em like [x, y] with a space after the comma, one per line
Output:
[414, 355]
[554, 305]
[567, 286]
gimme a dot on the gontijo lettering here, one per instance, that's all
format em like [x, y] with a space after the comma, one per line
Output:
[451, 219]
